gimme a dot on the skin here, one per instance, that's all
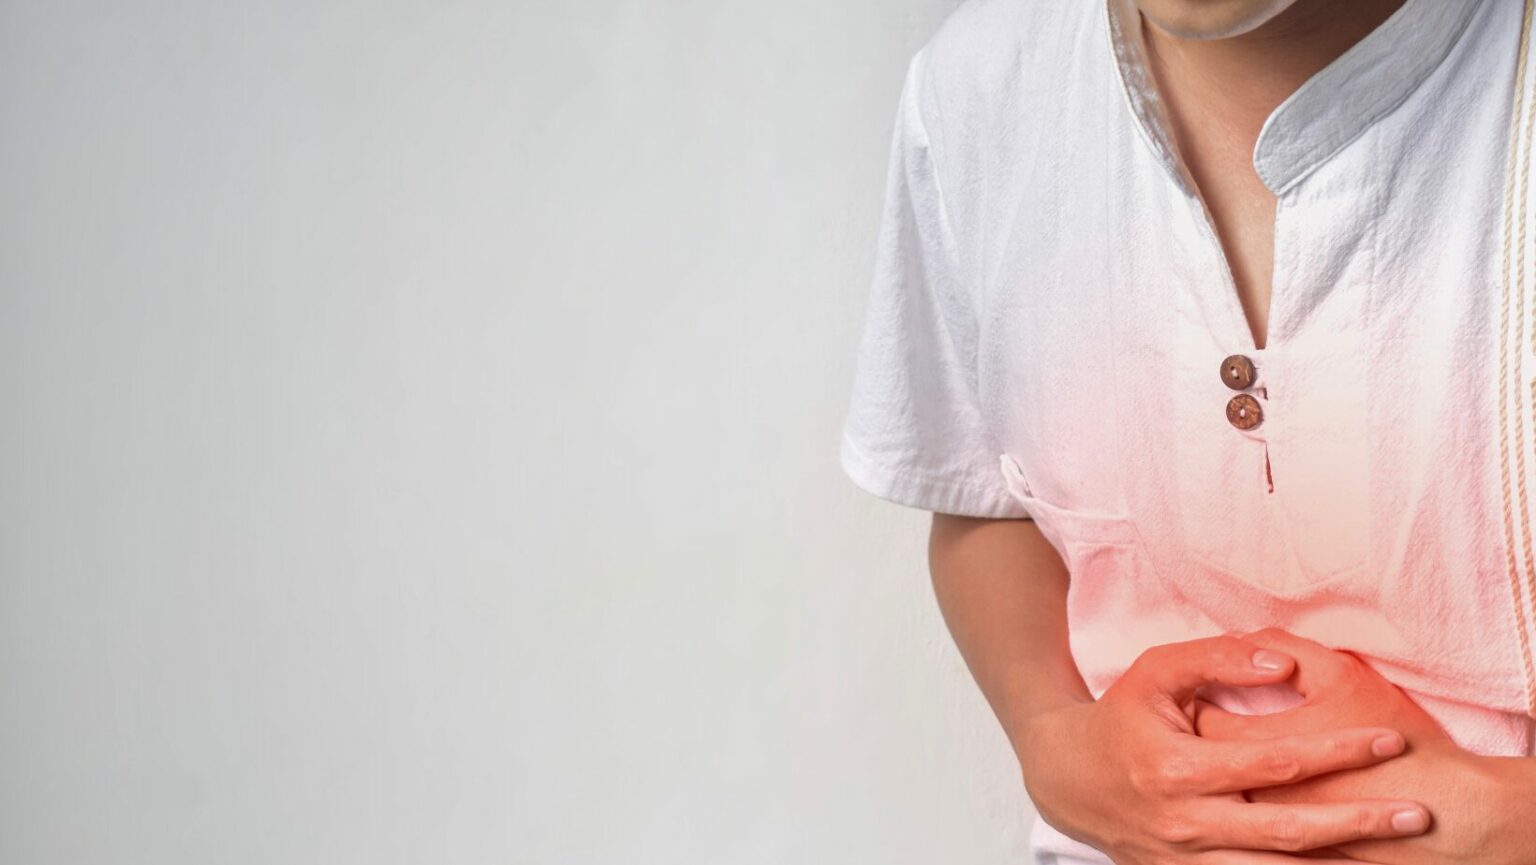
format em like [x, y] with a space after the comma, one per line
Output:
[1212, 19]
[1160, 788]
[1219, 92]
[1487, 805]
[1155, 791]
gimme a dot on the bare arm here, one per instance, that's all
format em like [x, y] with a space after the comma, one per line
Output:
[1002, 590]
[1127, 773]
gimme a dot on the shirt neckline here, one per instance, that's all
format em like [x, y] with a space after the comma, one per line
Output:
[1330, 110]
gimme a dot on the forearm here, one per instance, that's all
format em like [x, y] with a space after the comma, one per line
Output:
[1002, 590]
[1484, 807]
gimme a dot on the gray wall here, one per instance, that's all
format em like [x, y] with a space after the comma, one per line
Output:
[418, 429]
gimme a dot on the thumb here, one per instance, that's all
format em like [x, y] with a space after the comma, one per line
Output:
[1178, 670]
[1213, 722]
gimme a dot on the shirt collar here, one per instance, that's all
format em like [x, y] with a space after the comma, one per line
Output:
[1327, 112]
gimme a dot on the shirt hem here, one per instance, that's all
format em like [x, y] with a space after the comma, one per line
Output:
[922, 491]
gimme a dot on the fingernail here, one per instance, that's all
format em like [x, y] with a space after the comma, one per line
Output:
[1264, 659]
[1387, 746]
[1410, 821]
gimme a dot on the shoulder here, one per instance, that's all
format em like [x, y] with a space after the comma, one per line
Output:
[984, 42]
[1000, 59]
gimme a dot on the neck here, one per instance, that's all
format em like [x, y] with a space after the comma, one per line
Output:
[1234, 84]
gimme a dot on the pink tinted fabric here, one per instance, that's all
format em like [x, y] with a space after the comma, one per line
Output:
[1051, 307]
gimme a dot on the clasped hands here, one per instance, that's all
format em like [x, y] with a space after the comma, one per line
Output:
[1152, 774]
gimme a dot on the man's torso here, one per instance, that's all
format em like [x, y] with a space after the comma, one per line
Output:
[1366, 508]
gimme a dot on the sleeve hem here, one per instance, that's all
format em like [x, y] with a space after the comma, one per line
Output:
[915, 490]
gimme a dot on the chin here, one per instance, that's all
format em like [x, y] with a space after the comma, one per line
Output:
[1211, 19]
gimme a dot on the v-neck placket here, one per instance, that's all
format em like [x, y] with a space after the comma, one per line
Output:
[1329, 112]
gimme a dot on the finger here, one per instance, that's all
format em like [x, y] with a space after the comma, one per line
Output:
[1249, 857]
[1330, 854]
[1316, 664]
[1177, 670]
[1214, 722]
[1294, 828]
[1206, 766]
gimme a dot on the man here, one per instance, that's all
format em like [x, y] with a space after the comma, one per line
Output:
[1201, 326]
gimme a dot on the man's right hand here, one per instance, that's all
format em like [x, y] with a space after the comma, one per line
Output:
[1128, 775]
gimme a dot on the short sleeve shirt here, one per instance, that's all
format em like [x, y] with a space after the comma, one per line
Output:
[1053, 325]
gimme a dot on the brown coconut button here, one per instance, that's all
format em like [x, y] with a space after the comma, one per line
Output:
[1237, 372]
[1244, 412]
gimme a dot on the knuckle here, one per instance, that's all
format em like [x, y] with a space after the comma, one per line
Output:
[1345, 744]
[1365, 825]
[1287, 831]
[1353, 670]
[1347, 664]
[1174, 830]
[1141, 781]
[1346, 750]
[1151, 701]
[1231, 650]
[1175, 773]
[1154, 656]
[1165, 711]
[1282, 767]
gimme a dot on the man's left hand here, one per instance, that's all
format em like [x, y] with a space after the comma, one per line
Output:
[1484, 807]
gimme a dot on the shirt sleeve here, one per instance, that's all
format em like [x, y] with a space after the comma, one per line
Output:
[914, 432]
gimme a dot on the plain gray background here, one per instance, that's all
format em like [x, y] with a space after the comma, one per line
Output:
[419, 443]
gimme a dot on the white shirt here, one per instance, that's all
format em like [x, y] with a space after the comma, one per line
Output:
[1051, 310]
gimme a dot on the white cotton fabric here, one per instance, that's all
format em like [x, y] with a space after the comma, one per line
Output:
[1051, 307]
